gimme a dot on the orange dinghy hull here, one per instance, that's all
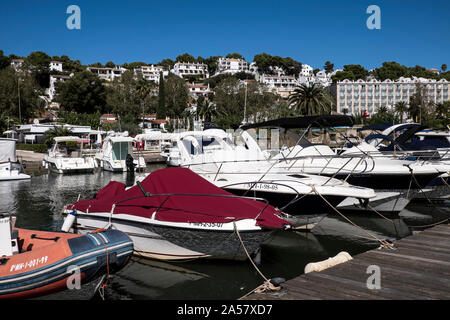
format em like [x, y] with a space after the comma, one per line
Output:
[49, 262]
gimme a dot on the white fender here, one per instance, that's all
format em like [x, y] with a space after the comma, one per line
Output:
[341, 257]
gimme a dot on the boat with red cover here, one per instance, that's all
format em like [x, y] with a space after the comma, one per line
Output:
[175, 214]
[37, 263]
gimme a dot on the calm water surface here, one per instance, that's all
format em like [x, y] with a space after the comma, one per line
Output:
[38, 203]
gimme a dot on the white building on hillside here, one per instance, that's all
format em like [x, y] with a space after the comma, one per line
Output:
[231, 66]
[197, 90]
[54, 78]
[281, 85]
[16, 63]
[359, 96]
[56, 66]
[108, 74]
[307, 71]
[150, 73]
[183, 69]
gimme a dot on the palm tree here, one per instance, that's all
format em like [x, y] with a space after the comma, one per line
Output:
[208, 111]
[311, 99]
[143, 88]
[56, 131]
[401, 107]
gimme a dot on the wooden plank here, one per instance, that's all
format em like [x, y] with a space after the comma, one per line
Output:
[436, 286]
[419, 268]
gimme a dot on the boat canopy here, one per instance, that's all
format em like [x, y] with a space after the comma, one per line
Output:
[305, 122]
[156, 136]
[7, 150]
[180, 195]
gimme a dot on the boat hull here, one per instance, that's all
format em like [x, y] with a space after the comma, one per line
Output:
[51, 266]
[166, 242]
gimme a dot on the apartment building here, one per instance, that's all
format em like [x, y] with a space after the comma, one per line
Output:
[150, 73]
[56, 66]
[197, 90]
[183, 69]
[231, 66]
[280, 84]
[360, 95]
[108, 74]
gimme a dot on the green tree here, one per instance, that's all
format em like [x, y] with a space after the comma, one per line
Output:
[19, 96]
[38, 63]
[401, 108]
[235, 56]
[83, 93]
[161, 110]
[444, 67]
[311, 99]
[328, 67]
[56, 131]
[351, 72]
[5, 61]
[176, 95]
[143, 88]
[185, 57]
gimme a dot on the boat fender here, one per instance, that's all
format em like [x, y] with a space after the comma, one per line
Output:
[341, 257]
[68, 222]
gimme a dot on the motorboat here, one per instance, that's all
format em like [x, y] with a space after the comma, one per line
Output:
[10, 167]
[391, 178]
[212, 154]
[117, 155]
[174, 214]
[36, 263]
[66, 156]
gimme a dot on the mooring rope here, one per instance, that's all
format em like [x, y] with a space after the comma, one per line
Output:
[384, 243]
[267, 285]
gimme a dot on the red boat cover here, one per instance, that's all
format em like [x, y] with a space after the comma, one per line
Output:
[179, 208]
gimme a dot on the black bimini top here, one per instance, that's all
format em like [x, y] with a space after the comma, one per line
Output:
[305, 122]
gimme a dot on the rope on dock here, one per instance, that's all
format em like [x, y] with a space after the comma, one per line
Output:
[267, 285]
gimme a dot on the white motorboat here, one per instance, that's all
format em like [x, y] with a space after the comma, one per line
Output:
[117, 155]
[175, 214]
[387, 176]
[66, 156]
[212, 155]
[10, 168]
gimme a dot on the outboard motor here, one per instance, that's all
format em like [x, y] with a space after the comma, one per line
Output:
[129, 161]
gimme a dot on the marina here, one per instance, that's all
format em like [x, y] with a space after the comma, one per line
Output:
[38, 203]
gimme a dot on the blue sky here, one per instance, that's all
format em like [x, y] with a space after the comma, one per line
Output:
[412, 32]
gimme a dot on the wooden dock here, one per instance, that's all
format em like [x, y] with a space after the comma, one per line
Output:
[418, 269]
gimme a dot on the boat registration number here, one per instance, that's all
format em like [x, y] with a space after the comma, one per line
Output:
[262, 186]
[207, 224]
[28, 264]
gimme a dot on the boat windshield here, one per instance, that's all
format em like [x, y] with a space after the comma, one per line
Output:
[120, 150]
[71, 149]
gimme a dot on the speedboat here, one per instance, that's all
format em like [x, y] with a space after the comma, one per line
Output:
[37, 263]
[10, 168]
[174, 214]
[212, 154]
[392, 179]
[66, 156]
[117, 155]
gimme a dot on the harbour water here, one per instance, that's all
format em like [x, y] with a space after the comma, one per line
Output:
[38, 204]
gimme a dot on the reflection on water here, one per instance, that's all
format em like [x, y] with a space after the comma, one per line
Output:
[38, 203]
